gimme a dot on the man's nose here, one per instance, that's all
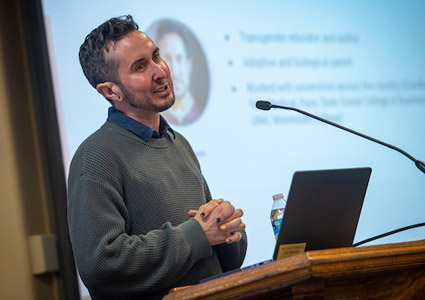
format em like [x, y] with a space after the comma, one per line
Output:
[159, 72]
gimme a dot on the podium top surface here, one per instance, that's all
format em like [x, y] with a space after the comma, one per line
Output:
[330, 265]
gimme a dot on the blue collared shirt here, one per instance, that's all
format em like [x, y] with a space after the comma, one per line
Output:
[143, 131]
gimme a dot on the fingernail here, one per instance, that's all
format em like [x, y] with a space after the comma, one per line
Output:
[202, 214]
[218, 220]
[223, 227]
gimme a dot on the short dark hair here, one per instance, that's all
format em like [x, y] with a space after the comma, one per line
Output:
[92, 58]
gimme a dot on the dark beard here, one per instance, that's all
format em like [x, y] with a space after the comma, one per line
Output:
[146, 105]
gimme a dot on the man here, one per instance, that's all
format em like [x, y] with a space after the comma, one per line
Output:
[140, 213]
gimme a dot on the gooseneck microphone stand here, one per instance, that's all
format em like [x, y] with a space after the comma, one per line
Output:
[265, 105]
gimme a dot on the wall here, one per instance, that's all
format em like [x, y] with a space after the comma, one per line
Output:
[26, 200]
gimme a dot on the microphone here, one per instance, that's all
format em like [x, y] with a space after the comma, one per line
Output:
[266, 105]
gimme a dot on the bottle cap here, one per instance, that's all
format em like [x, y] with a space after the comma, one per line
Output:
[278, 196]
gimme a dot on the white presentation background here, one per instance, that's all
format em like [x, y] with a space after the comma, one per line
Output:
[360, 64]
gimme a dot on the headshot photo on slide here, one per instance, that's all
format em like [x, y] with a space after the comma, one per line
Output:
[183, 53]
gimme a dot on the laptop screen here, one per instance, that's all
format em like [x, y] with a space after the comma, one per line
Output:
[323, 208]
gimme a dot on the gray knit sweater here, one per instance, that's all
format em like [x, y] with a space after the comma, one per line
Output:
[127, 213]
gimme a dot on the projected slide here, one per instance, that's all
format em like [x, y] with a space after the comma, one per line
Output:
[360, 64]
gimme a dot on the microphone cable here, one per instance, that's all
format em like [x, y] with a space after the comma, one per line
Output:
[388, 233]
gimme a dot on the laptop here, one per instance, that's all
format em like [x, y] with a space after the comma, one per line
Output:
[323, 208]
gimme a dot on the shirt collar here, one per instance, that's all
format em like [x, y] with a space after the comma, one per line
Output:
[143, 131]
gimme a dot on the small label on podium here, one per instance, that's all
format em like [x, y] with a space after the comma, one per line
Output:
[290, 249]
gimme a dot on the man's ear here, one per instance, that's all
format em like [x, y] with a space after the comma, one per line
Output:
[110, 90]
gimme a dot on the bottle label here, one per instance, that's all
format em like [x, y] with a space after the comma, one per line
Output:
[276, 226]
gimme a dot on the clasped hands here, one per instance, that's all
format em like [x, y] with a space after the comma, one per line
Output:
[220, 220]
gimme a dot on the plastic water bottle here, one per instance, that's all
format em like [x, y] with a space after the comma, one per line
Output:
[276, 214]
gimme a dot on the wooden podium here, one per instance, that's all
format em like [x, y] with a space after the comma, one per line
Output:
[392, 271]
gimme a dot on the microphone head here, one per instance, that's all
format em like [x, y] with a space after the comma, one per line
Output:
[264, 105]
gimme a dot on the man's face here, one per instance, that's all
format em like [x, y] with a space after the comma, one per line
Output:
[173, 50]
[145, 79]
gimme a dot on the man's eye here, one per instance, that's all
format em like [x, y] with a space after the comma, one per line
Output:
[139, 67]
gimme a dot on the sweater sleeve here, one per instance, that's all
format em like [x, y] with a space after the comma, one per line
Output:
[110, 260]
